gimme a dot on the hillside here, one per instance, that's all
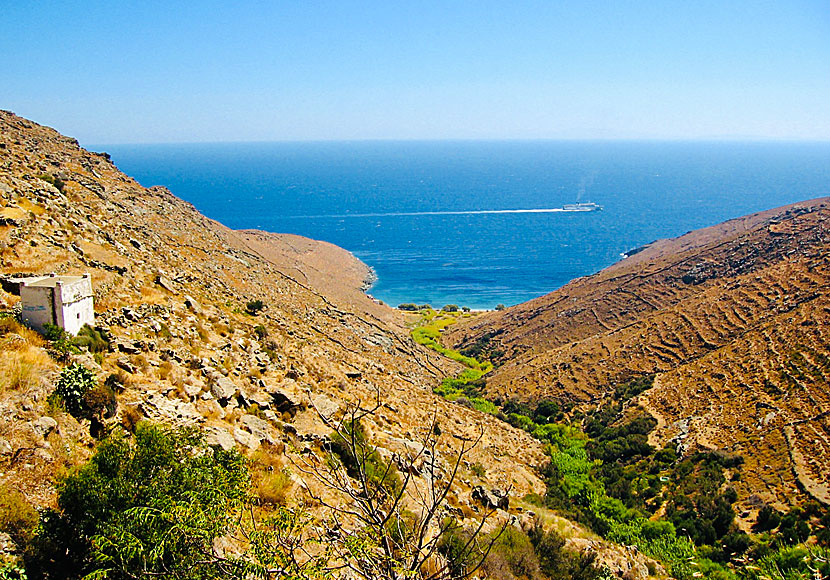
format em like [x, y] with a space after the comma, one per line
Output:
[732, 320]
[171, 288]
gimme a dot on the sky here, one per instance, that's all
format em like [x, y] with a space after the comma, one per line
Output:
[208, 71]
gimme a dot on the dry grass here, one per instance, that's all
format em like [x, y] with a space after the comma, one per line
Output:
[165, 369]
[271, 480]
[24, 363]
[31, 207]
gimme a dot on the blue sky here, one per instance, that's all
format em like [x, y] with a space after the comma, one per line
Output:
[147, 71]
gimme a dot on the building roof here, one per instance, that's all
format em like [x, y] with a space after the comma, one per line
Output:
[51, 281]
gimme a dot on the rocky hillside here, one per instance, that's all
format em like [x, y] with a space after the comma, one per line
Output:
[731, 319]
[172, 289]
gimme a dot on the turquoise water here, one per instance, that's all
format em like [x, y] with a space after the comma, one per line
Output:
[412, 210]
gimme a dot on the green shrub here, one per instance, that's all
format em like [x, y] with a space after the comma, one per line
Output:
[512, 556]
[150, 506]
[93, 339]
[360, 458]
[254, 307]
[478, 469]
[54, 180]
[72, 386]
[60, 342]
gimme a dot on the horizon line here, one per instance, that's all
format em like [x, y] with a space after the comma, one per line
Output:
[712, 140]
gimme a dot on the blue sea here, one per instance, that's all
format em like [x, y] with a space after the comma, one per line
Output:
[426, 215]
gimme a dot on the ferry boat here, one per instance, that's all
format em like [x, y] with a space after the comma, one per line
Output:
[587, 206]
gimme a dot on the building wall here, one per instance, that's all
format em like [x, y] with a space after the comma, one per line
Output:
[66, 303]
[73, 305]
[38, 306]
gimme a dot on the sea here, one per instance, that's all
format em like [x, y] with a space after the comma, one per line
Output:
[470, 223]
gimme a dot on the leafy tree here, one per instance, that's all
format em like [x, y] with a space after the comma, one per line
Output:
[150, 506]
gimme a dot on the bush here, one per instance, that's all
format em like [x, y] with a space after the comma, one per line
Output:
[93, 339]
[254, 307]
[56, 181]
[358, 455]
[72, 386]
[149, 506]
[273, 488]
[512, 556]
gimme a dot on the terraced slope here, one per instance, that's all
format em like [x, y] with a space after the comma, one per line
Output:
[731, 318]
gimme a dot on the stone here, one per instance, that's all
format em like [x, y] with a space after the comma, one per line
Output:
[7, 546]
[125, 364]
[222, 388]
[282, 399]
[127, 348]
[219, 437]
[191, 303]
[324, 405]
[5, 447]
[165, 283]
[247, 439]
[492, 499]
[256, 426]
[43, 426]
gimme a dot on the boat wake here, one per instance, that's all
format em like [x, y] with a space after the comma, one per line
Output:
[565, 209]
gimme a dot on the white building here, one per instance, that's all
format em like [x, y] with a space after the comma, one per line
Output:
[65, 301]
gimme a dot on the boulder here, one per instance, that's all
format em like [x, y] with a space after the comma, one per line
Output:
[247, 439]
[125, 364]
[43, 426]
[257, 427]
[323, 404]
[219, 437]
[491, 499]
[222, 388]
[282, 399]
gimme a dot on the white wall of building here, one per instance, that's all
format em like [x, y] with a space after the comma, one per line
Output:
[62, 300]
[38, 306]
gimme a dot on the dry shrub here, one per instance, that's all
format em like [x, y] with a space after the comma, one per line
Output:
[10, 326]
[274, 488]
[271, 480]
[202, 332]
[141, 362]
[17, 517]
[165, 369]
[24, 364]
[209, 409]
[130, 417]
